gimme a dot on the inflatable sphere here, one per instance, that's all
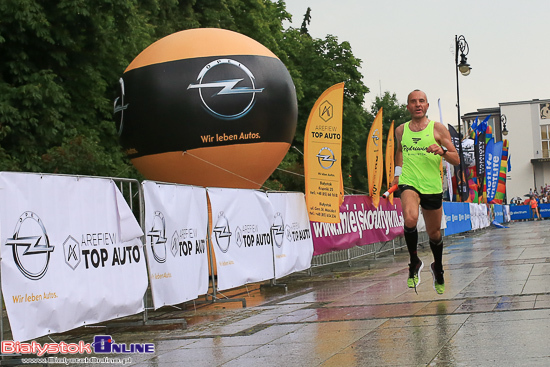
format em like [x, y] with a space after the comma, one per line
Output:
[206, 107]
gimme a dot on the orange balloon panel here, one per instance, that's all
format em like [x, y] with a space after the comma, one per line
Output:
[215, 167]
[216, 94]
[199, 42]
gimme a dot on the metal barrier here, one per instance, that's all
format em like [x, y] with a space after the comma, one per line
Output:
[357, 252]
[132, 192]
[130, 189]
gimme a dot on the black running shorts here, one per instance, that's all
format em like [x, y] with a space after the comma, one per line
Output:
[427, 201]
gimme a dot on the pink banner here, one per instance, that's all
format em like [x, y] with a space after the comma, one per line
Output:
[361, 223]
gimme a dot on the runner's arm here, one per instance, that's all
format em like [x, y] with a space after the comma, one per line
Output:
[443, 138]
[398, 159]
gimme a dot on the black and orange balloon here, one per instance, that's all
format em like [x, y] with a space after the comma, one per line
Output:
[207, 107]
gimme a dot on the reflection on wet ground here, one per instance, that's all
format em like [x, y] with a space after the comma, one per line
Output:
[495, 312]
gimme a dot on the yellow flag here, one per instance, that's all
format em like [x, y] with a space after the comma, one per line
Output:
[375, 159]
[322, 156]
[390, 159]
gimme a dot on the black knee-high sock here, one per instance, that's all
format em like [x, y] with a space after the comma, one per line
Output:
[437, 251]
[411, 238]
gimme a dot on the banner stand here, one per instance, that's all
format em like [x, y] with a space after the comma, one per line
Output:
[214, 295]
[131, 196]
[382, 245]
[273, 282]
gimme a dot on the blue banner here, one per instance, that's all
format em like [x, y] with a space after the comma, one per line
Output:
[544, 210]
[492, 167]
[488, 162]
[519, 212]
[499, 214]
[458, 217]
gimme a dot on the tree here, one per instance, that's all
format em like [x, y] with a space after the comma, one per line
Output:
[60, 63]
[315, 65]
[392, 111]
[306, 22]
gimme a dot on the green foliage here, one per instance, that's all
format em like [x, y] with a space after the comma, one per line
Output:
[392, 111]
[87, 157]
[315, 65]
[306, 22]
[61, 61]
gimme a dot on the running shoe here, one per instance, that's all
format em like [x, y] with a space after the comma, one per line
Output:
[439, 282]
[414, 274]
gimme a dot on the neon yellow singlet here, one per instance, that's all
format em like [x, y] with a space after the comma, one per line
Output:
[420, 169]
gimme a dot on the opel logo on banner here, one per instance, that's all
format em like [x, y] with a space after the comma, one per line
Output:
[30, 246]
[326, 157]
[278, 230]
[157, 236]
[227, 98]
[222, 232]
[376, 136]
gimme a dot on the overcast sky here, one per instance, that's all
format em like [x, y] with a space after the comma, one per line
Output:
[405, 45]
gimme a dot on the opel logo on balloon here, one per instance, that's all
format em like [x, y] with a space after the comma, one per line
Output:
[195, 105]
[120, 107]
[226, 87]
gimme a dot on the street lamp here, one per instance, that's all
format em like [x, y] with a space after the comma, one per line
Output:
[503, 125]
[464, 68]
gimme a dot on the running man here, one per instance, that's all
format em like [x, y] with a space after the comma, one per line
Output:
[421, 143]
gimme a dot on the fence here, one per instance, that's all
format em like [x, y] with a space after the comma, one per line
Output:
[133, 194]
[357, 252]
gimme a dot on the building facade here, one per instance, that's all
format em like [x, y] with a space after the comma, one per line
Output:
[528, 127]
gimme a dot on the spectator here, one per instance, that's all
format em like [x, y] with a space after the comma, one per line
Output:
[534, 208]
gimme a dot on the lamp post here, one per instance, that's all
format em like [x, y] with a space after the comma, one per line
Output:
[464, 68]
[503, 121]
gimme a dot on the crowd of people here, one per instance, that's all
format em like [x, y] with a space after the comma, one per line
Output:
[534, 198]
[542, 196]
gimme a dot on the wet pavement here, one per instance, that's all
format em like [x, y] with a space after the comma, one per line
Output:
[495, 312]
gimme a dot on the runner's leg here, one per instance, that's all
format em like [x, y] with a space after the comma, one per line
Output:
[410, 200]
[433, 227]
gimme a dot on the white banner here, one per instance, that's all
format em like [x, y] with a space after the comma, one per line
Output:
[176, 222]
[475, 218]
[449, 170]
[506, 211]
[71, 253]
[241, 236]
[421, 224]
[293, 244]
[479, 216]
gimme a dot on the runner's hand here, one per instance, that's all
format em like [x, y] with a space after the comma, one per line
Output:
[435, 149]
